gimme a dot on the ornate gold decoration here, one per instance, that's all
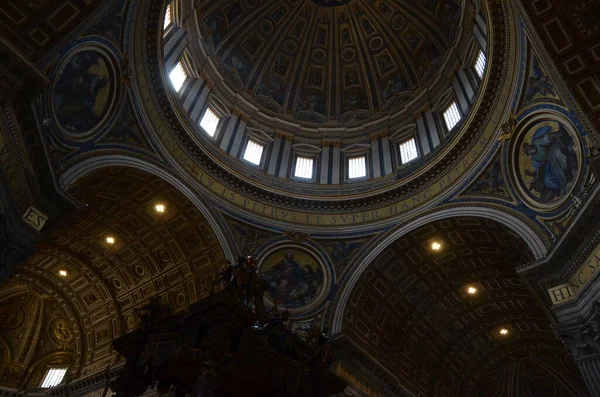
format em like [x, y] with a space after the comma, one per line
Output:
[590, 144]
[297, 236]
[125, 71]
[130, 323]
[508, 128]
[61, 330]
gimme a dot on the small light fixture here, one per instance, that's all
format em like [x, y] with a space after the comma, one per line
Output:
[504, 332]
[63, 273]
[160, 208]
[110, 240]
[471, 290]
[436, 246]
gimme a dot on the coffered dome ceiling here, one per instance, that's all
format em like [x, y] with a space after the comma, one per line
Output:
[323, 61]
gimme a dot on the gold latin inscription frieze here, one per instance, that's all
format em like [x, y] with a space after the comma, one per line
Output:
[565, 292]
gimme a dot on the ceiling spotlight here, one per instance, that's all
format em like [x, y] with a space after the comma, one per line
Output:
[62, 273]
[471, 290]
[110, 240]
[436, 246]
[503, 332]
[160, 208]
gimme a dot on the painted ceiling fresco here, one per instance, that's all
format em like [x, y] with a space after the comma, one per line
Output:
[332, 62]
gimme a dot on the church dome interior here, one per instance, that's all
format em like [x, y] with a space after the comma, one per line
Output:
[330, 94]
[299, 198]
[331, 62]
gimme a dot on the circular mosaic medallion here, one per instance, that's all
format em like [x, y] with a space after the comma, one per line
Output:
[11, 316]
[331, 3]
[61, 330]
[84, 92]
[296, 279]
[548, 161]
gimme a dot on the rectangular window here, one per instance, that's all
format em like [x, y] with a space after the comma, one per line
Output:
[408, 151]
[53, 377]
[253, 152]
[178, 76]
[357, 167]
[304, 168]
[209, 122]
[167, 17]
[452, 116]
[480, 64]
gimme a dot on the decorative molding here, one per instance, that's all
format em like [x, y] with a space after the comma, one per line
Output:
[305, 149]
[524, 231]
[582, 339]
[259, 136]
[356, 150]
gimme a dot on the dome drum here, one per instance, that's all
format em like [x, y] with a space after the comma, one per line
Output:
[212, 51]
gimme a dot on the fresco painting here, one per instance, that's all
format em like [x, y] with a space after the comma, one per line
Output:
[83, 92]
[295, 278]
[539, 85]
[548, 161]
[491, 182]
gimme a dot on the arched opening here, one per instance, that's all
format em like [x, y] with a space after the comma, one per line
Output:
[443, 310]
[135, 237]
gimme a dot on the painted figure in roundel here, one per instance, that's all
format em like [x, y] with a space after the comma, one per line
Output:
[548, 161]
[83, 91]
[295, 278]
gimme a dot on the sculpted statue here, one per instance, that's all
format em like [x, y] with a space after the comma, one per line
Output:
[582, 340]
[241, 281]
[149, 314]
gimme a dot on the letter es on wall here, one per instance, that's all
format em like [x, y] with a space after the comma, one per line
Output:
[35, 218]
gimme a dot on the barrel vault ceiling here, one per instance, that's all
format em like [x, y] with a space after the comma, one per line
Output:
[173, 255]
[412, 313]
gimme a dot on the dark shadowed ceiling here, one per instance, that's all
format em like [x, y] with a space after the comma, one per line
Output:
[341, 60]
[35, 26]
[411, 312]
[174, 255]
[571, 34]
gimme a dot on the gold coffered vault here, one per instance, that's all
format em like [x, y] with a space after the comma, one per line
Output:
[299, 198]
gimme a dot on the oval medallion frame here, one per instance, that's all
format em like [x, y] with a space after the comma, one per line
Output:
[111, 95]
[525, 131]
[318, 270]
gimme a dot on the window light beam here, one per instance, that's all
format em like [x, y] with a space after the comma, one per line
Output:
[408, 151]
[178, 76]
[168, 18]
[452, 116]
[304, 168]
[480, 64]
[357, 167]
[210, 122]
[253, 152]
[53, 377]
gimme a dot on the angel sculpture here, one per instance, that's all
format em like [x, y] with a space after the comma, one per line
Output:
[508, 128]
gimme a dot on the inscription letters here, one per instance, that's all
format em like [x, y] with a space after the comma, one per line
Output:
[580, 279]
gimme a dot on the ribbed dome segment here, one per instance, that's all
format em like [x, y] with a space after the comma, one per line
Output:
[329, 60]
